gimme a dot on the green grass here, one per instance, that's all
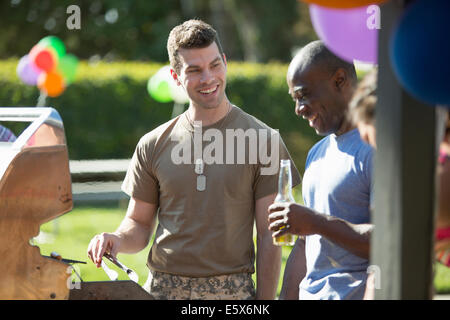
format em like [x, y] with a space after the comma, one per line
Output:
[72, 233]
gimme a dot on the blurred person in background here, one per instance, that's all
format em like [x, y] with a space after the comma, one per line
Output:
[6, 135]
[442, 245]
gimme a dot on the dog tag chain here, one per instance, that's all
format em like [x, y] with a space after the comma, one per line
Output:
[199, 163]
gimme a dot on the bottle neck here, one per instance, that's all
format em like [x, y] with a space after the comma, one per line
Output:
[285, 184]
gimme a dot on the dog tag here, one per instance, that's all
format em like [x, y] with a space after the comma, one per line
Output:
[199, 165]
[201, 183]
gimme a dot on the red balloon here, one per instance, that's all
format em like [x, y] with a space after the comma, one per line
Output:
[42, 58]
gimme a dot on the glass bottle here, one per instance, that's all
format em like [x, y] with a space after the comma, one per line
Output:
[284, 195]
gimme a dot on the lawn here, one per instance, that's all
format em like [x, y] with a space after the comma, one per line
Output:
[69, 235]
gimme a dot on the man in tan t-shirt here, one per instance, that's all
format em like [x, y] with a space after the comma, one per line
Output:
[212, 172]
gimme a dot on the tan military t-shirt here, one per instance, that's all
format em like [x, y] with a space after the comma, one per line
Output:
[206, 223]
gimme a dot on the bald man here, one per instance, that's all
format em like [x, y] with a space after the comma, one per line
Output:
[332, 261]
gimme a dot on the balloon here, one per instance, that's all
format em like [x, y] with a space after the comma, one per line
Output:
[344, 4]
[159, 89]
[27, 72]
[42, 58]
[420, 51]
[179, 95]
[177, 92]
[67, 67]
[54, 43]
[350, 34]
[51, 83]
[158, 85]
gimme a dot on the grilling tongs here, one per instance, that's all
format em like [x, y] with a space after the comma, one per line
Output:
[130, 273]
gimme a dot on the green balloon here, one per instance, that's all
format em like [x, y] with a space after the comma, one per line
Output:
[159, 89]
[55, 43]
[68, 67]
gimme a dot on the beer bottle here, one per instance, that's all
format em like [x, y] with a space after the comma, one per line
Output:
[284, 195]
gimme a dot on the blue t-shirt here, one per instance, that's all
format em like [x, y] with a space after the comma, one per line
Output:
[337, 182]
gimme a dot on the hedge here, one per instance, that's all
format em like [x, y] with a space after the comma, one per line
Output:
[107, 109]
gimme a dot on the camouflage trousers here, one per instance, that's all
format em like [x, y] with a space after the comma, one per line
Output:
[164, 286]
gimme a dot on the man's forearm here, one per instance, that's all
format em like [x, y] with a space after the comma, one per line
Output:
[352, 237]
[268, 265]
[294, 272]
[268, 256]
[134, 236]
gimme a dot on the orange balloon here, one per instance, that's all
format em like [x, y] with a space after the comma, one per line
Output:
[51, 83]
[343, 4]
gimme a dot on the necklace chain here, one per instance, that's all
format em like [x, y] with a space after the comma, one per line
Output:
[199, 165]
[191, 123]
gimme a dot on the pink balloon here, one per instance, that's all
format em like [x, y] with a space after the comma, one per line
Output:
[351, 34]
[42, 58]
[27, 72]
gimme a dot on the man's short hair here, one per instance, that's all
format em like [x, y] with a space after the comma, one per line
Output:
[316, 53]
[362, 104]
[189, 35]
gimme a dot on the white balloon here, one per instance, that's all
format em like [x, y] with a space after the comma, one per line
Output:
[164, 73]
[178, 93]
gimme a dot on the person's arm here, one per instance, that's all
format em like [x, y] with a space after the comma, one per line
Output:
[294, 271]
[300, 220]
[132, 235]
[352, 237]
[268, 256]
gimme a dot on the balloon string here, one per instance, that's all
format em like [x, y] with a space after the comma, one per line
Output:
[178, 109]
[41, 99]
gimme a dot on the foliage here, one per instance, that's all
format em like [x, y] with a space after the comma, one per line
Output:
[138, 29]
[125, 29]
[107, 109]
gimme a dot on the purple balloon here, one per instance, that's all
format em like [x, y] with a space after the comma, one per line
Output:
[27, 72]
[351, 34]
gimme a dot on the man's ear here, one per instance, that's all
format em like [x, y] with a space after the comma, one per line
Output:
[340, 79]
[175, 76]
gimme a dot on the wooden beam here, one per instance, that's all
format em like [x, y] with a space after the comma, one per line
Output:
[404, 180]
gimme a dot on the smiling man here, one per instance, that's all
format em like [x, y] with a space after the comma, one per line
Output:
[336, 185]
[206, 211]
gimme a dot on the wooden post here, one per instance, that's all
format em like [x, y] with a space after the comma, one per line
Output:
[404, 180]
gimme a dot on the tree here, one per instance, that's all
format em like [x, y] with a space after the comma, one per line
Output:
[256, 30]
